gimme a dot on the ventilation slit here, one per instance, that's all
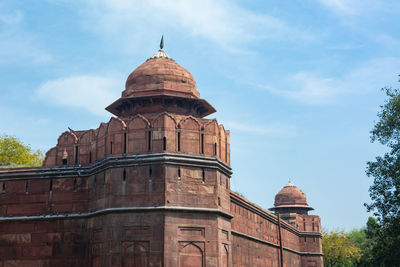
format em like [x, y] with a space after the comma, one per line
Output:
[202, 143]
[179, 141]
[149, 141]
[125, 143]
[76, 155]
[164, 143]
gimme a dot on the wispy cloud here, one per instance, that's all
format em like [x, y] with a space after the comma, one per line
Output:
[89, 92]
[223, 22]
[18, 46]
[313, 89]
[11, 18]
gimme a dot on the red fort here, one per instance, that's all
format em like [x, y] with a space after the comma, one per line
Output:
[151, 187]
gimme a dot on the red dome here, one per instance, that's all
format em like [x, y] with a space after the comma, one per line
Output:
[160, 76]
[290, 196]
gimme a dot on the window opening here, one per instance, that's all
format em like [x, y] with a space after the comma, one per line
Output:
[179, 141]
[203, 176]
[125, 143]
[26, 187]
[3, 190]
[75, 185]
[202, 143]
[179, 173]
[76, 155]
[215, 149]
[111, 148]
[90, 157]
[124, 175]
[149, 141]
[150, 173]
[164, 143]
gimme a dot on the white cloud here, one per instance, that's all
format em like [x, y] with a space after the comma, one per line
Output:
[89, 92]
[346, 7]
[11, 18]
[310, 88]
[222, 22]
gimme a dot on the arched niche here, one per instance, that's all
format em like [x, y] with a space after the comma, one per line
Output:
[87, 147]
[137, 135]
[190, 254]
[189, 129]
[115, 137]
[101, 140]
[211, 138]
[163, 133]
[66, 146]
[135, 254]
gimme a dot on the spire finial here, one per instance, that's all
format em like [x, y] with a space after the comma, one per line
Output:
[162, 42]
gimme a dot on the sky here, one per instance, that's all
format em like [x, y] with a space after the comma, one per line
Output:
[298, 83]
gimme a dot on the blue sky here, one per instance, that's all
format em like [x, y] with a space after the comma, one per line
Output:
[297, 82]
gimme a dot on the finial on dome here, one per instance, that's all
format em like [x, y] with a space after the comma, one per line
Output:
[162, 42]
[161, 53]
[290, 183]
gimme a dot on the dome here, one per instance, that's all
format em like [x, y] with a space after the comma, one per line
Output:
[160, 75]
[290, 197]
[160, 84]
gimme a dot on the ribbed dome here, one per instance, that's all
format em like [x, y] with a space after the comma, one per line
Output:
[160, 75]
[290, 195]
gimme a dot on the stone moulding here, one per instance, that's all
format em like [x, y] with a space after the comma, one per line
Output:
[118, 162]
[117, 210]
[274, 245]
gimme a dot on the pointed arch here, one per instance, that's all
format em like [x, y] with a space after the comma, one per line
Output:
[137, 135]
[101, 140]
[211, 137]
[115, 136]
[189, 135]
[165, 120]
[138, 122]
[190, 122]
[163, 128]
[87, 147]
[190, 254]
[66, 141]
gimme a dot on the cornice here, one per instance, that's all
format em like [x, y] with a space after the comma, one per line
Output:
[116, 210]
[117, 162]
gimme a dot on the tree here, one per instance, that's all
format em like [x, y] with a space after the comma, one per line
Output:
[385, 190]
[365, 239]
[13, 151]
[339, 250]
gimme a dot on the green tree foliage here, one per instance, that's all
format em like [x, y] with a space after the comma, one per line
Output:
[15, 152]
[385, 190]
[339, 250]
[365, 239]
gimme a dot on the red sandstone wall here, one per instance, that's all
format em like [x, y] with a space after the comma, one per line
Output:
[44, 243]
[256, 241]
[141, 135]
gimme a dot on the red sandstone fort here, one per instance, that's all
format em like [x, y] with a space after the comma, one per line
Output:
[149, 188]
